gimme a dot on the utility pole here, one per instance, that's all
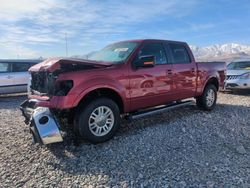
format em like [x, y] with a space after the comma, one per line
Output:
[66, 44]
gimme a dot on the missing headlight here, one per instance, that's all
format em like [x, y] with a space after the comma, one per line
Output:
[63, 87]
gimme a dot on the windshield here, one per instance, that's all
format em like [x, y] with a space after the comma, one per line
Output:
[115, 53]
[243, 65]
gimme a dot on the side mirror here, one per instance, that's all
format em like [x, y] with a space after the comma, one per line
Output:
[146, 61]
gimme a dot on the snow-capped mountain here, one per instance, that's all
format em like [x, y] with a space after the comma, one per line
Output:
[225, 52]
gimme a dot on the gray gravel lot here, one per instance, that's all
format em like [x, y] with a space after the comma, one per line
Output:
[179, 148]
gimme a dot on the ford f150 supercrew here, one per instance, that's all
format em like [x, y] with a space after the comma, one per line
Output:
[128, 79]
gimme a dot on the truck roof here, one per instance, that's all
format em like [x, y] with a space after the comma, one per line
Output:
[157, 40]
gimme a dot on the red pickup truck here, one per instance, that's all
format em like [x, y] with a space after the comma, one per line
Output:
[128, 79]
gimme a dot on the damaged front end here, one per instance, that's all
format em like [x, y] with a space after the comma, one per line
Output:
[43, 124]
[49, 89]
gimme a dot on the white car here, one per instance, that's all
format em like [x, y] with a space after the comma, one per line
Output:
[238, 75]
[14, 75]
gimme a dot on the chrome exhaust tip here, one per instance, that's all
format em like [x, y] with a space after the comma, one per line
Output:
[44, 127]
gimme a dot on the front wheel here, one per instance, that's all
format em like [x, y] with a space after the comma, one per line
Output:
[98, 121]
[207, 100]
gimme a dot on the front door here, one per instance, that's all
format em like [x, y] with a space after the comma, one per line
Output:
[151, 86]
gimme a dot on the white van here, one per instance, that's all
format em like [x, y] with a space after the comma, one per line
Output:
[14, 75]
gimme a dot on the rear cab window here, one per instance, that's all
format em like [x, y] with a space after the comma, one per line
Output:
[179, 53]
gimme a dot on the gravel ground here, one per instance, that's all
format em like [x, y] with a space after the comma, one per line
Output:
[179, 148]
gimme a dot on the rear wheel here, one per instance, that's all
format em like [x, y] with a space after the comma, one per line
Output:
[207, 100]
[98, 121]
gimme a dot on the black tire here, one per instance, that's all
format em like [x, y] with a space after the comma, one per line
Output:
[203, 102]
[82, 126]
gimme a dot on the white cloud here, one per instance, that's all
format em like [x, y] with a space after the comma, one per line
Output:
[45, 22]
[14, 50]
[13, 10]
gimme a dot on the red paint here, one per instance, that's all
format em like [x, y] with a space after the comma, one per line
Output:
[138, 88]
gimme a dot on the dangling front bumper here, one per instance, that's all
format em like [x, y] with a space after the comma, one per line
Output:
[43, 125]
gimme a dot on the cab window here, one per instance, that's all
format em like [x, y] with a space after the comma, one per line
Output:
[155, 49]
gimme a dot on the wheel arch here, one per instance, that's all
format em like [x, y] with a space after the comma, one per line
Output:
[212, 80]
[106, 92]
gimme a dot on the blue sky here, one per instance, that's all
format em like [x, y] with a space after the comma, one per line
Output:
[34, 28]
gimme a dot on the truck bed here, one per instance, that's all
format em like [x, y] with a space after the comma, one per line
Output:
[213, 67]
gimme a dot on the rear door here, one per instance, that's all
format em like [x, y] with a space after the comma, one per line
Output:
[151, 86]
[184, 71]
[6, 78]
[21, 75]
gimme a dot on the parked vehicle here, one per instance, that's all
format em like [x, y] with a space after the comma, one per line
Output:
[238, 75]
[128, 79]
[14, 75]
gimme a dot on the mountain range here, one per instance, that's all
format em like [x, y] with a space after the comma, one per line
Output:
[225, 52]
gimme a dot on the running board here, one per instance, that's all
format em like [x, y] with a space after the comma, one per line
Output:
[156, 110]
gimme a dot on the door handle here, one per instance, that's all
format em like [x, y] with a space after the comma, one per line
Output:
[169, 72]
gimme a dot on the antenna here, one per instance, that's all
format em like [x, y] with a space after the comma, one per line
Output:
[66, 44]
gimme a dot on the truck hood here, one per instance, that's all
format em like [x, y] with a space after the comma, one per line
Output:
[237, 72]
[53, 64]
